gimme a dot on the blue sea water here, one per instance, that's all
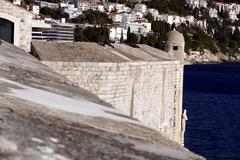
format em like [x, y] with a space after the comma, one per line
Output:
[212, 100]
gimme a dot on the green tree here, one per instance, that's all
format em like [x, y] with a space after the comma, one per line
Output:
[169, 6]
[79, 35]
[179, 6]
[142, 40]
[121, 38]
[236, 35]
[161, 5]
[131, 37]
[92, 34]
[149, 17]
[54, 13]
[160, 27]
[97, 17]
[24, 2]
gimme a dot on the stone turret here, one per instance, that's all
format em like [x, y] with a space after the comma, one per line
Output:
[175, 45]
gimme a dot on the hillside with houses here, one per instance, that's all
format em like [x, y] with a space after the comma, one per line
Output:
[210, 27]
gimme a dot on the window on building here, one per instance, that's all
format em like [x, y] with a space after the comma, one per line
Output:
[175, 48]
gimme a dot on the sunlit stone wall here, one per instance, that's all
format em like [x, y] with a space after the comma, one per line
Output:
[148, 91]
[22, 20]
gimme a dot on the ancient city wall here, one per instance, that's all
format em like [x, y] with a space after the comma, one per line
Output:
[148, 91]
[22, 20]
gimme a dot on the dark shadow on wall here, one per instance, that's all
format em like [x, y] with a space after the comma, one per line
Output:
[6, 30]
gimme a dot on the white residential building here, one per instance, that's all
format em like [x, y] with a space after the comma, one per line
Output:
[83, 6]
[233, 15]
[34, 8]
[116, 17]
[100, 8]
[213, 13]
[93, 6]
[220, 6]
[136, 16]
[48, 18]
[63, 5]
[127, 9]
[72, 11]
[141, 8]
[227, 6]
[154, 12]
[189, 19]
[138, 27]
[17, 2]
[177, 20]
[233, 28]
[135, 27]
[232, 9]
[146, 25]
[121, 8]
[117, 32]
[109, 7]
[197, 3]
[201, 23]
[126, 18]
[56, 32]
[170, 19]
[49, 5]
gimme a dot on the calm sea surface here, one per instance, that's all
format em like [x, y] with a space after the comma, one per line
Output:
[212, 100]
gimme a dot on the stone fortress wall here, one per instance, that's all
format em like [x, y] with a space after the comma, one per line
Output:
[22, 20]
[145, 83]
[148, 91]
[24, 118]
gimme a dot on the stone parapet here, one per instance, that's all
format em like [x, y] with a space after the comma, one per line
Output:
[148, 91]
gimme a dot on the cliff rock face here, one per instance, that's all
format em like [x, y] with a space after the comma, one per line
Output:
[208, 57]
[205, 57]
[43, 116]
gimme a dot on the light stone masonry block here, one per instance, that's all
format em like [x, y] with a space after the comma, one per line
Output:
[148, 91]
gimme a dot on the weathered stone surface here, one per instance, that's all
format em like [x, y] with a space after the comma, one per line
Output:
[148, 86]
[22, 23]
[32, 127]
[148, 91]
[93, 52]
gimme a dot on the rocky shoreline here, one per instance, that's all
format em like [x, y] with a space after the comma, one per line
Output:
[208, 57]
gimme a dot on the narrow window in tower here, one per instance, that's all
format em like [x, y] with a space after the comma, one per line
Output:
[175, 48]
